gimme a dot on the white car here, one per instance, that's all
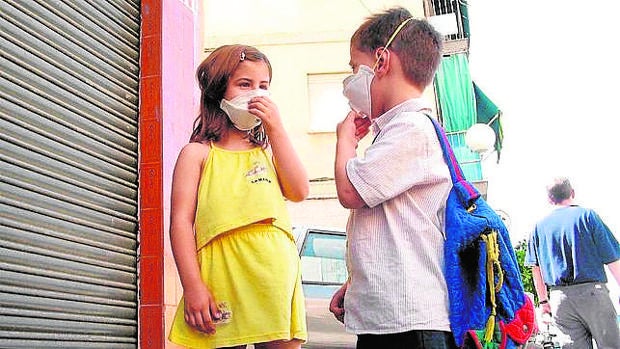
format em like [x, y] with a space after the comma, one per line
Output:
[323, 270]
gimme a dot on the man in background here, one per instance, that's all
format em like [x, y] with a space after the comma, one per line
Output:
[567, 251]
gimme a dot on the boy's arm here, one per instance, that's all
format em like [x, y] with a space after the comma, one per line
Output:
[345, 150]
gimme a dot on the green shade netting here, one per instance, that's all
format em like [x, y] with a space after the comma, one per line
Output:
[455, 94]
[487, 112]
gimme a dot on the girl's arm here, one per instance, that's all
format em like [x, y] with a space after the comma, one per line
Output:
[291, 172]
[199, 303]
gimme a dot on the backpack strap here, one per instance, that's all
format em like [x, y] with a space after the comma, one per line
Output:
[456, 172]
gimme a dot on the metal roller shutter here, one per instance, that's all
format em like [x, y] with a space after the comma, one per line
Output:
[68, 185]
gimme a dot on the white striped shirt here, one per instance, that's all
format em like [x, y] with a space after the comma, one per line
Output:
[395, 245]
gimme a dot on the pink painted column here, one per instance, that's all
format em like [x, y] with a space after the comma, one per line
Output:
[180, 98]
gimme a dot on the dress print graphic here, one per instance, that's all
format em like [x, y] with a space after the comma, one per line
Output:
[258, 173]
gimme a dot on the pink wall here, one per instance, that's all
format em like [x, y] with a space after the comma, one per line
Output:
[180, 96]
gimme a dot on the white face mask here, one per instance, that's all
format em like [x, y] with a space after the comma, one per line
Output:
[237, 109]
[356, 88]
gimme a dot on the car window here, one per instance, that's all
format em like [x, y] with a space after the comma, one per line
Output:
[322, 258]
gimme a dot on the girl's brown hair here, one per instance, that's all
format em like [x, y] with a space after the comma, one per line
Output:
[213, 75]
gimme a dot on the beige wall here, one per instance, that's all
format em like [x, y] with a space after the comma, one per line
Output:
[300, 37]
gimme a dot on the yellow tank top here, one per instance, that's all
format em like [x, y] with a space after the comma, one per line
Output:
[238, 188]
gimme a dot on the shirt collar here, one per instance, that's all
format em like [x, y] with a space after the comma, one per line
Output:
[410, 105]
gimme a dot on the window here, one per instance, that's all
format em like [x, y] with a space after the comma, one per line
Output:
[328, 106]
[323, 259]
[442, 7]
[449, 17]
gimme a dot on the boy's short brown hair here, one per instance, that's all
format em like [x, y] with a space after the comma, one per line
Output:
[418, 44]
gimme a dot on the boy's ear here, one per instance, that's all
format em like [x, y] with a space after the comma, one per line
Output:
[383, 62]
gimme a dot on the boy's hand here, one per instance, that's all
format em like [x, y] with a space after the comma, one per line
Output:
[336, 306]
[362, 126]
[352, 129]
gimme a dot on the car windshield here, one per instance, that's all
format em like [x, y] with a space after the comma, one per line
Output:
[322, 259]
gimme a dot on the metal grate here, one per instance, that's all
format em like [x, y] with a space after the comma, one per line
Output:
[448, 13]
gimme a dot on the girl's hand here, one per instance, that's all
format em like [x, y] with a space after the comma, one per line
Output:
[291, 173]
[201, 309]
[265, 109]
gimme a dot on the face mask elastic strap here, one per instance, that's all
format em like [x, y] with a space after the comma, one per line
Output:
[398, 29]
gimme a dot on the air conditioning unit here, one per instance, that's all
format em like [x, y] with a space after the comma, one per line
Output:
[445, 24]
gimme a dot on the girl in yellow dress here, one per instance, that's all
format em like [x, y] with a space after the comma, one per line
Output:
[230, 230]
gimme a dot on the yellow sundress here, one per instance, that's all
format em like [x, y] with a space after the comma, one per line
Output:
[246, 252]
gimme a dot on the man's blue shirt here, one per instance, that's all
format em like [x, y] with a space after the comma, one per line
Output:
[571, 245]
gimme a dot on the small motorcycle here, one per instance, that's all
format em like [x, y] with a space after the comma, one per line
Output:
[545, 339]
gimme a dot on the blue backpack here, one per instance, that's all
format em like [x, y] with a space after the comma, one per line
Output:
[488, 305]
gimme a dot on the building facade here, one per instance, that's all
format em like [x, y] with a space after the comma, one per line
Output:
[96, 102]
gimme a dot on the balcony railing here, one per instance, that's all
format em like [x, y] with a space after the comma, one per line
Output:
[449, 17]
